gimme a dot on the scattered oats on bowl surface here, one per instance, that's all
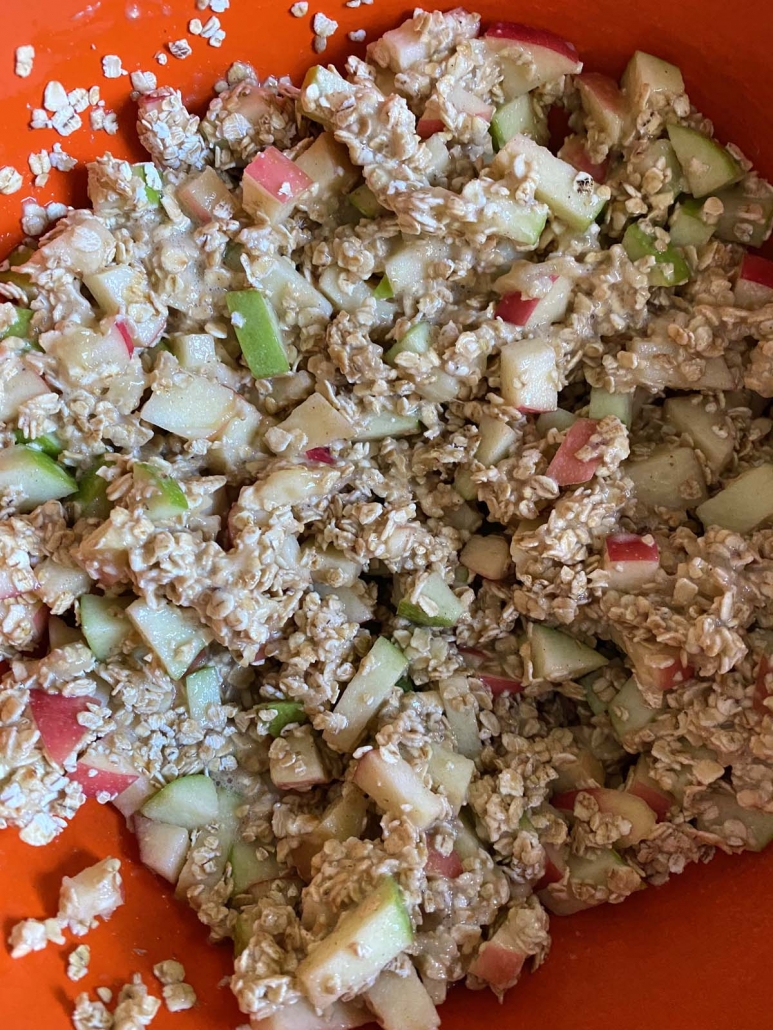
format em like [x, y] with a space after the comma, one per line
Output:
[112, 67]
[179, 48]
[299, 10]
[10, 180]
[24, 58]
[78, 962]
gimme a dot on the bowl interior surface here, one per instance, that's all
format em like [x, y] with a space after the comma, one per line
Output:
[692, 955]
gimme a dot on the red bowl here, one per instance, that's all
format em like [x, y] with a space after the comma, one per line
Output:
[692, 955]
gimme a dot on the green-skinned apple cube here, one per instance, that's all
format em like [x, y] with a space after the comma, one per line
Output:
[661, 155]
[247, 868]
[202, 689]
[706, 164]
[174, 634]
[283, 713]
[258, 332]
[370, 687]
[418, 340]
[517, 117]
[283, 286]
[33, 477]
[670, 268]
[460, 710]
[357, 606]
[167, 499]
[20, 327]
[603, 403]
[709, 431]
[92, 494]
[556, 656]
[48, 443]
[320, 423]
[747, 214]
[495, 441]
[560, 419]
[443, 607]
[104, 624]
[451, 773]
[192, 406]
[402, 1002]
[364, 200]
[366, 939]
[190, 802]
[592, 868]
[671, 478]
[382, 424]
[227, 824]
[515, 220]
[629, 712]
[720, 807]
[571, 195]
[646, 74]
[744, 504]
[687, 228]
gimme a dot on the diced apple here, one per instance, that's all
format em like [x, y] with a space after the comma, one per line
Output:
[659, 154]
[452, 773]
[496, 440]
[709, 431]
[349, 294]
[614, 802]
[166, 500]
[657, 666]
[585, 771]
[501, 959]
[327, 164]
[371, 685]
[754, 285]
[134, 797]
[60, 634]
[284, 287]
[382, 424]
[193, 406]
[319, 421]
[566, 468]
[411, 264]
[401, 48]
[58, 584]
[104, 623]
[669, 269]
[20, 386]
[556, 656]
[397, 789]
[706, 164]
[296, 762]
[521, 221]
[56, 719]
[300, 485]
[283, 713]
[227, 823]
[449, 866]
[163, 847]
[630, 561]
[402, 1002]
[629, 712]
[436, 604]
[103, 773]
[190, 802]
[534, 312]
[642, 785]
[247, 868]
[687, 227]
[747, 214]
[206, 198]
[744, 504]
[329, 565]
[487, 556]
[515, 117]
[272, 184]
[530, 57]
[460, 712]
[463, 100]
[116, 289]
[603, 403]
[575, 152]
[646, 74]
[300, 1015]
[364, 200]
[258, 332]
[176, 635]
[604, 105]
[594, 868]
[721, 808]
[32, 477]
[572, 196]
[560, 419]
[671, 478]
[529, 375]
[202, 689]
[555, 866]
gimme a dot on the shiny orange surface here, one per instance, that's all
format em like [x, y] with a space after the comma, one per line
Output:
[693, 955]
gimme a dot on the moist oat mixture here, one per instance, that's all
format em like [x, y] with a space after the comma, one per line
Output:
[386, 485]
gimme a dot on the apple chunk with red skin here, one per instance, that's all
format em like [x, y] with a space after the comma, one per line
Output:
[613, 802]
[56, 718]
[555, 866]
[642, 785]
[630, 561]
[463, 100]
[98, 775]
[500, 961]
[658, 667]
[575, 152]
[438, 864]
[604, 103]
[566, 468]
[536, 56]
[273, 184]
[754, 286]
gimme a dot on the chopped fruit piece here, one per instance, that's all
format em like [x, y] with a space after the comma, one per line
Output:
[557, 657]
[642, 785]
[402, 1002]
[595, 868]
[190, 802]
[32, 478]
[660, 365]
[722, 814]
[555, 866]
[465, 102]
[452, 773]
[104, 624]
[300, 1015]
[744, 504]
[575, 152]
[604, 105]
[530, 57]
[286, 713]
[487, 556]
[585, 771]
[418, 340]
[92, 494]
[134, 797]
[193, 406]
[501, 959]
[320, 423]
[20, 327]
[227, 823]
[572, 196]
[167, 499]
[747, 215]
[397, 788]
[499, 684]
[532, 312]
[709, 431]
[57, 585]
[371, 685]
[566, 468]
[176, 635]
[56, 719]
[630, 561]
[259, 333]
[247, 868]
[558, 419]
[529, 375]
[365, 940]
[411, 264]
[206, 197]
[353, 603]
[754, 286]
[195, 351]
[495, 442]
[117, 289]
[365, 202]
[629, 712]
[384, 290]
[348, 293]
[48, 443]
[382, 424]
[658, 666]
[100, 773]
[163, 847]
[295, 486]
[449, 866]
[516, 220]
[297, 763]
[603, 403]
[670, 268]
[327, 164]
[660, 155]
[614, 802]
[202, 689]
[671, 478]
[517, 117]
[18, 388]
[646, 74]
[272, 185]
[706, 164]
[687, 228]
[59, 633]
[436, 604]
[284, 285]
[460, 712]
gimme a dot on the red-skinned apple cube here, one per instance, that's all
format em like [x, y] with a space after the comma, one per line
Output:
[642, 785]
[555, 866]
[658, 666]
[575, 152]
[98, 775]
[273, 184]
[438, 864]
[604, 103]
[614, 802]
[500, 684]
[515, 308]
[538, 56]
[630, 561]
[566, 468]
[463, 100]
[56, 718]
[754, 286]
[134, 796]
[500, 961]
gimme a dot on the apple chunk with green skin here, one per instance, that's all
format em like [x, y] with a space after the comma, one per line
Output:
[272, 184]
[33, 477]
[706, 164]
[167, 499]
[744, 504]
[402, 1002]
[721, 808]
[366, 939]
[516, 117]
[190, 802]
[259, 333]
[630, 561]
[629, 712]
[530, 57]
[572, 196]
[104, 623]
[642, 785]
[441, 606]
[175, 635]
[397, 788]
[709, 431]
[320, 423]
[670, 268]
[191, 406]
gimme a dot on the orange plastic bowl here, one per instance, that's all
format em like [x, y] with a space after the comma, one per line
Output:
[693, 955]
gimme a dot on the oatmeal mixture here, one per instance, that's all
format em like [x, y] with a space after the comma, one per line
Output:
[386, 486]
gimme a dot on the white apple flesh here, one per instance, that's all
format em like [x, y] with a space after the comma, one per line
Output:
[272, 185]
[530, 57]
[630, 561]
